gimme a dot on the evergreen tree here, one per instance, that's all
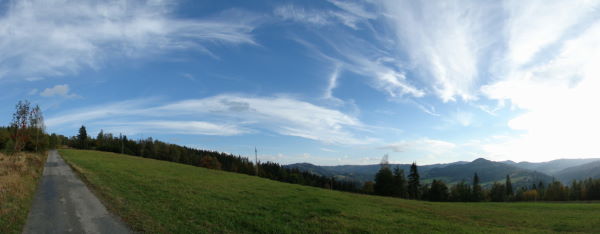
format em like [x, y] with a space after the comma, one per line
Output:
[576, 191]
[498, 192]
[100, 140]
[460, 192]
[438, 191]
[556, 192]
[541, 189]
[400, 189]
[477, 192]
[414, 184]
[82, 138]
[509, 188]
[384, 182]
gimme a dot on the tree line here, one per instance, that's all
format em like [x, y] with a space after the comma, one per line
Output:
[155, 149]
[393, 183]
[387, 181]
[27, 131]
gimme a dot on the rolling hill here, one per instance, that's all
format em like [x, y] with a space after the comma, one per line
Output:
[163, 197]
[488, 171]
[588, 170]
[360, 173]
[552, 167]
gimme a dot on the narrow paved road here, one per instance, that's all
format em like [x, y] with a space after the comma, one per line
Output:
[63, 204]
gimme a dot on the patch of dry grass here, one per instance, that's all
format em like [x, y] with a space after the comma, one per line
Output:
[19, 175]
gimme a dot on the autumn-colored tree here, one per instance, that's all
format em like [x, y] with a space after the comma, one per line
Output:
[19, 125]
[210, 162]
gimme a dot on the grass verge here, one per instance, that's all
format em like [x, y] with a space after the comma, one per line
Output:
[162, 197]
[19, 175]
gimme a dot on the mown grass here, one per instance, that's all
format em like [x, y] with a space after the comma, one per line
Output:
[19, 175]
[163, 197]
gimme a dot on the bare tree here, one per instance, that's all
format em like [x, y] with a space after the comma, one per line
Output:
[36, 122]
[19, 125]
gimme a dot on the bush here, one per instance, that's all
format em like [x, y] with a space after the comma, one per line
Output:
[210, 162]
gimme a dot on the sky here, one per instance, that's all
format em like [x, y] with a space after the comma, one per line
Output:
[326, 82]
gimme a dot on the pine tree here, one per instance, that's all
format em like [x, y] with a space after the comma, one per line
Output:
[414, 184]
[384, 182]
[498, 192]
[400, 189]
[460, 192]
[477, 193]
[438, 191]
[509, 188]
[82, 138]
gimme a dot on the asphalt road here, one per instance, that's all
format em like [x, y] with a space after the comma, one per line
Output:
[64, 204]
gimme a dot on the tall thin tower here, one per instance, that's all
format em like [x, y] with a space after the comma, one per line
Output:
[256, 159]
[122, 144]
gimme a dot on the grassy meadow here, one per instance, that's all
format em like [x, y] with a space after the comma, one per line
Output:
[156, 196]
[19, 175]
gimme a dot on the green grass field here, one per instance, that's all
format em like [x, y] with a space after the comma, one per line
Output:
[156, 196]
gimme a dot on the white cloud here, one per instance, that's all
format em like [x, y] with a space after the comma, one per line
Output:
[40, 38]
[429, 151]
[332, 82]
[354, 8]
[364, 58]
[85, 115]
[174, 127]
[559, 99]
[233, 114]
[299, 14]
[424, 144]
[528, 29]
[444, 40]
[350, 14]
[283, 115]
[57, 90]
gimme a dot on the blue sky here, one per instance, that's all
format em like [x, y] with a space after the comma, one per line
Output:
[326, 82]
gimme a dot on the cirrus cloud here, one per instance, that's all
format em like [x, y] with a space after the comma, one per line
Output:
[40, 38]
[224, 115]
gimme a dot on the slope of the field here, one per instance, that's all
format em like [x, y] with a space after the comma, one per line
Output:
[156, 196]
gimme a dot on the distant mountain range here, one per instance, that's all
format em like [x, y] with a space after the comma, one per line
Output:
[522, 173]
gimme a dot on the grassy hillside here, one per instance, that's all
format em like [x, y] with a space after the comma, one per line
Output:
[19, 175]
[158, 196]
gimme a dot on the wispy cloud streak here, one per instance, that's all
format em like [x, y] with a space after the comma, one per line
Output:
[40, 38]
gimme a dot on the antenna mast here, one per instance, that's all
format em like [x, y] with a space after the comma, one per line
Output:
[256, 159]
[122, 143]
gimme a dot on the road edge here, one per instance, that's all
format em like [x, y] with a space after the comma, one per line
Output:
[100, 195]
